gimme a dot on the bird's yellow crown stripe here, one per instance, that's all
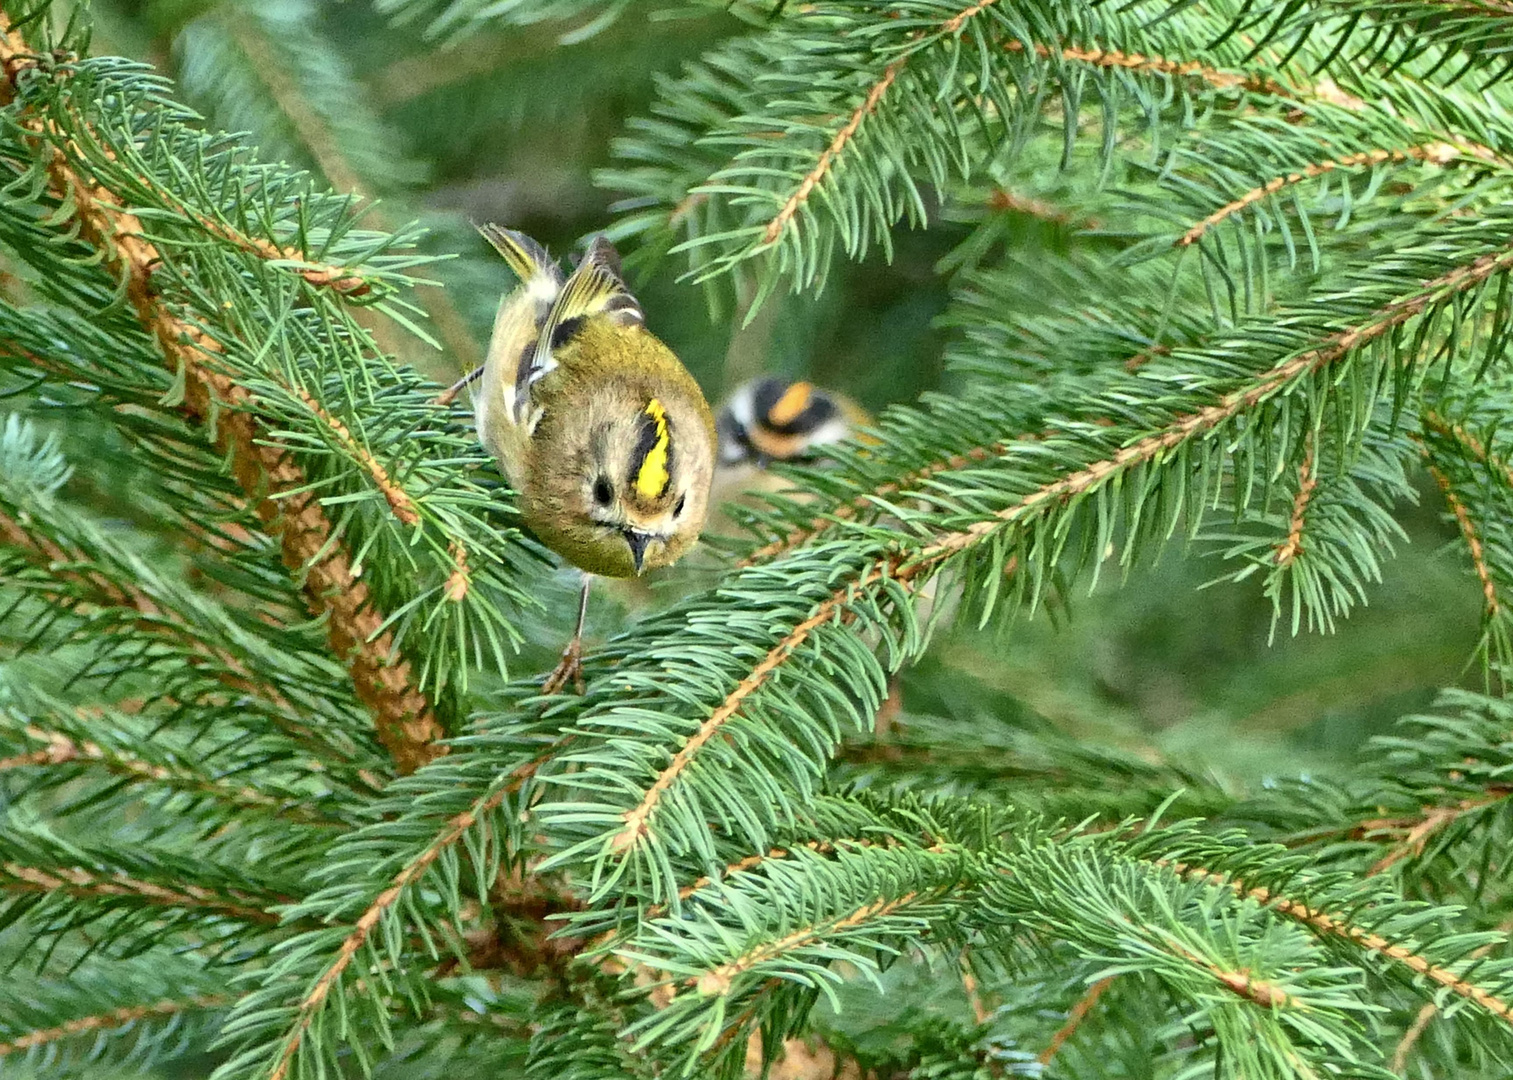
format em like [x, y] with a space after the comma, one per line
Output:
[652, 477]
[794, 401]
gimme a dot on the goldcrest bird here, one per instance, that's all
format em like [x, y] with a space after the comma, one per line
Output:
[774, 419]
[597, 425]
[777, 419]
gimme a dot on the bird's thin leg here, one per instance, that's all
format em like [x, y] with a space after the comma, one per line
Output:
[571, 664]
[449, 395]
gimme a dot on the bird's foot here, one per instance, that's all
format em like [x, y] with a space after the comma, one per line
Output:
[569, 667]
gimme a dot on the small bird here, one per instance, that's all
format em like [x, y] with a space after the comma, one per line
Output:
[597, 425]
[776, 419]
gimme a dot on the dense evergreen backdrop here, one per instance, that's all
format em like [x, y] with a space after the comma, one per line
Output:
[1197, 296]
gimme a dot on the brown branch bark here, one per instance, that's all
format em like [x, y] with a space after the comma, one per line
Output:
[719, 980]
[129, 1014]
[62, 749]
[1308, 480]
[1490, 601]
[85, 884]
[1338, 925]
[1114, 58]
[1074, 1019]
[406, 725]
[1308, 172]
[1469, 443]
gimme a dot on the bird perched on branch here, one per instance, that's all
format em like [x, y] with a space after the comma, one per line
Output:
[598, 426]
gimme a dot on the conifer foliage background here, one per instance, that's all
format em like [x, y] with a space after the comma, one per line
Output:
[950, 768]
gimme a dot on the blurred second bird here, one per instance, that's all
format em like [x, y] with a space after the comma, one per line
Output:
[774, 419]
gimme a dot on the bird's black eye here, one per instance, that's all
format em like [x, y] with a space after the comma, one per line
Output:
[677, 511]
[604, 494]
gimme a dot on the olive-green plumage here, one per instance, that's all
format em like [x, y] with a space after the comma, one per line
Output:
[598, 426]
[590, 427]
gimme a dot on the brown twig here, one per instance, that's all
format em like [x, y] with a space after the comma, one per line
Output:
[78, 882]
[69, 565]
[1002, 199]
[1417, 831]
[969, 987]
[636, 819]
[411, 872]
[1308, 480]
[397, 497]
[1427, 1013]
[827, 157]
[720, 980]
[1333, 347]
[1074, 1019]
[1337, 925]
[1469, 443]
[115, 1018]
[849, 510]
[1240, 982]
[848, 130]
[1308, 172]
[406, 725]
[461, 577]
[1468, 530]
[1411, 1036]
[60, 749]
[1114, 58]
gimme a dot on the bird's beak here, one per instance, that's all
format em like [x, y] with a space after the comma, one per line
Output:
[637, 541]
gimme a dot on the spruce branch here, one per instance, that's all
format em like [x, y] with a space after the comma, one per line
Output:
[133, 1013]
[1308, 172]
[123, 606]
[1308, 480]
[1439, 41]
[1470, 534]
[1343, 927]
[345, 281]
[1097, 895]
[115, 1018]
[637, 817]
[392, 888]
[1085, 1004]
[91, 740]
[405, 722]
[910, 481]
[315, 998]
[1463, 470]
[1437, 423]
[633, 842]
[780, 221]
[1216, 77]
[310, 129]
[1415, 832]
[80, 883]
